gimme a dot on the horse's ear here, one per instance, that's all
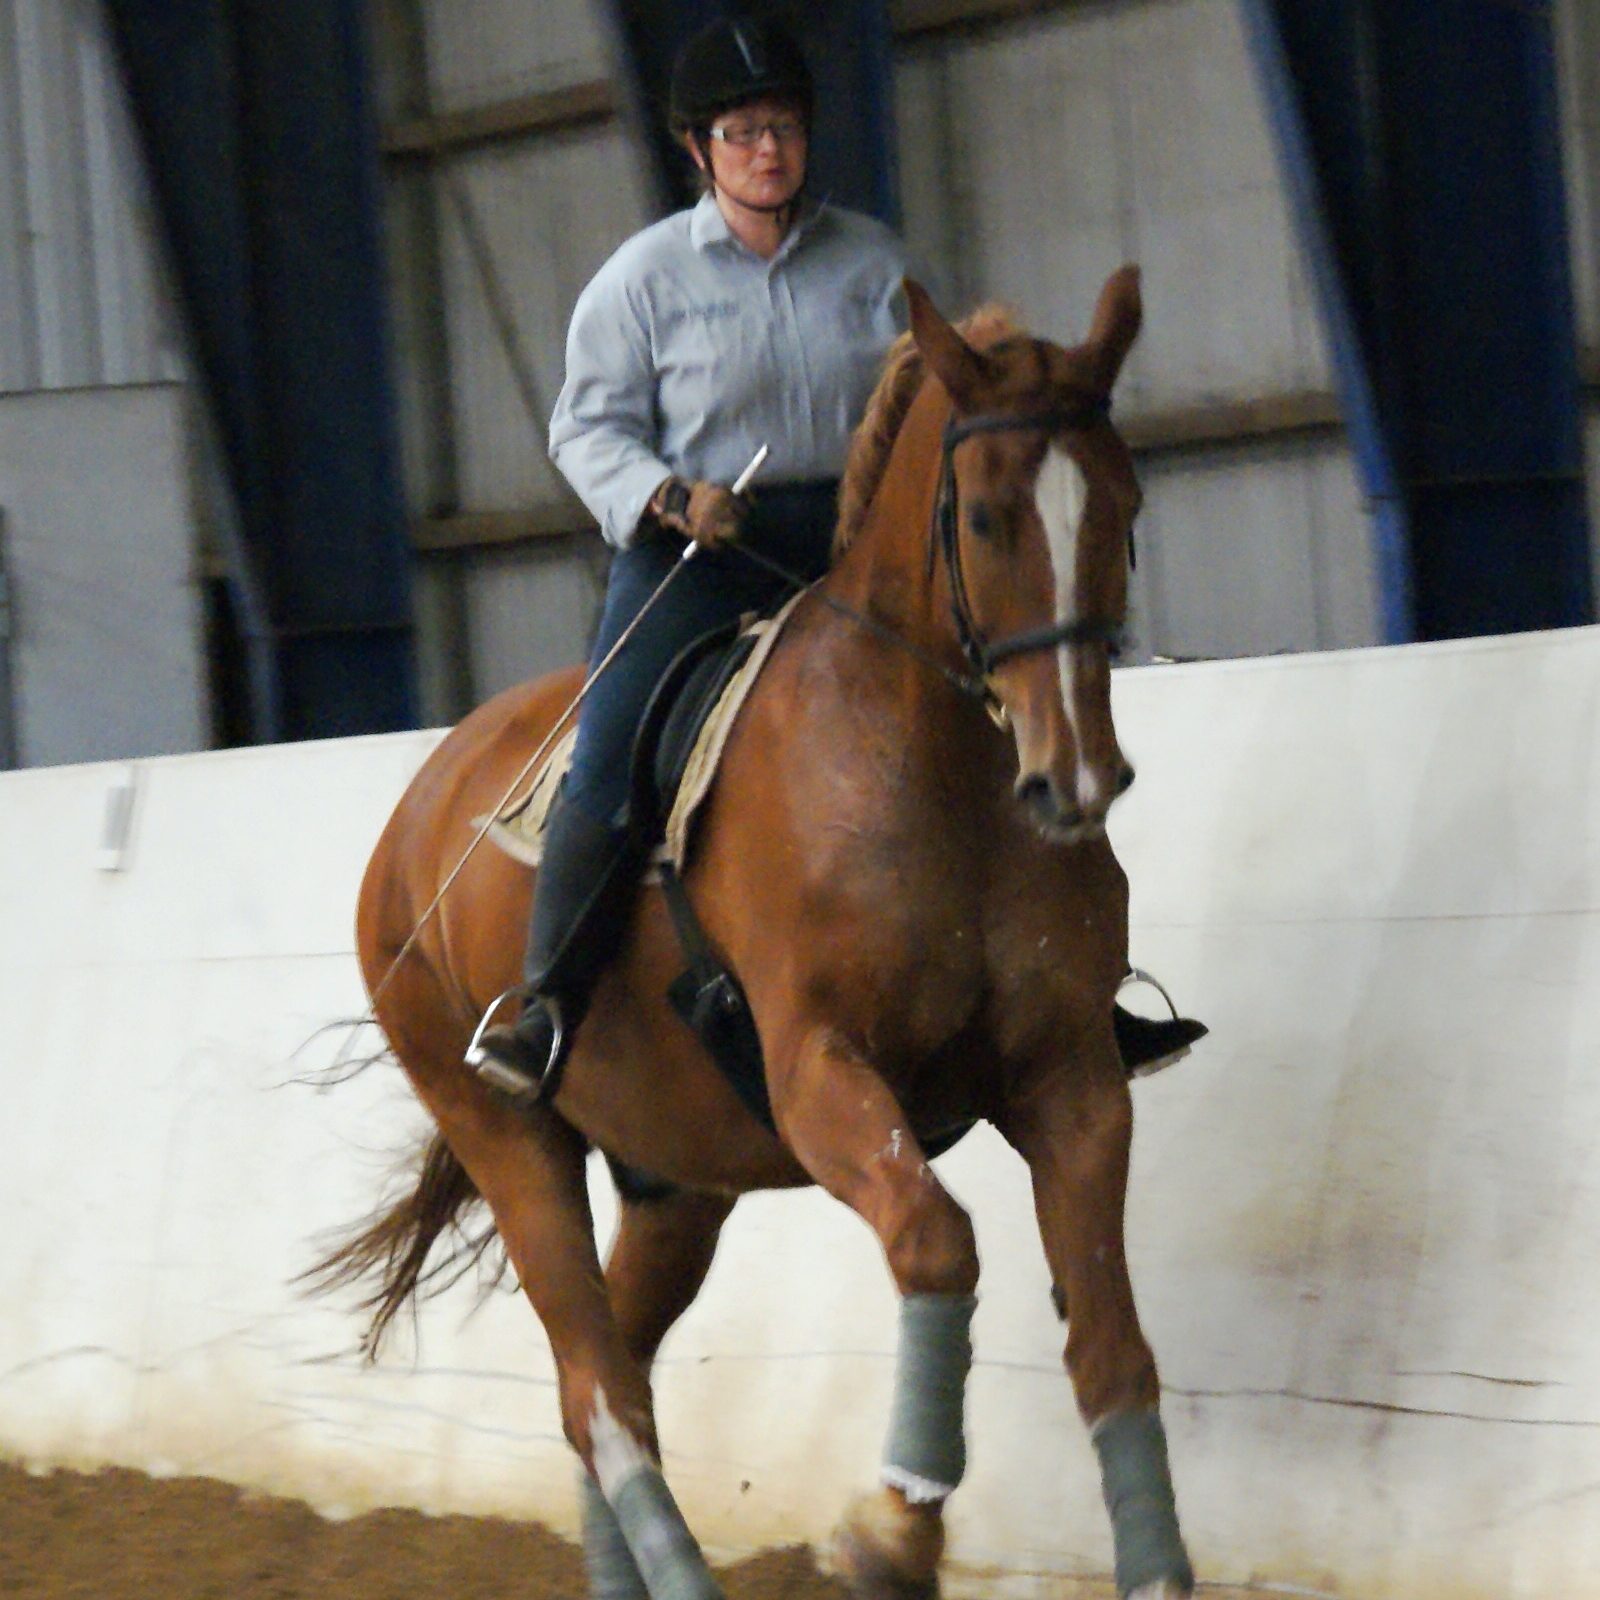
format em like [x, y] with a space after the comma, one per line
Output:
[951, 359]
[1117, 317]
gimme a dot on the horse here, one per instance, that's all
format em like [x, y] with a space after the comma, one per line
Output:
[904, 860]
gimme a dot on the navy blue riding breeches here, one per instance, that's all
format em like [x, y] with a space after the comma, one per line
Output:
[790, 523]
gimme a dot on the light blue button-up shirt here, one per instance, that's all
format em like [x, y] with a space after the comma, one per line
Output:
[688, 351]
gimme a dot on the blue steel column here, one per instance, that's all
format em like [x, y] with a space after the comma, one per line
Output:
[848, 44]
[1421, 146]
[263, 157]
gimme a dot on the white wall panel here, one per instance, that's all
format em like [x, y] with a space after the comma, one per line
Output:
[1363, 1217]
[482, 50]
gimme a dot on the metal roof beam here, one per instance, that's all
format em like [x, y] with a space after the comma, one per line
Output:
[260, 140]
[1421, 144]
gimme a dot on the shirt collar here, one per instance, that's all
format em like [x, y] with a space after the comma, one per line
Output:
[708, 226]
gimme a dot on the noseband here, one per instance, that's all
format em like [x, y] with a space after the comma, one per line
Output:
[982, 656]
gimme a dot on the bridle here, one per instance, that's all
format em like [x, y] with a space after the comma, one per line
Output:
[982, 656]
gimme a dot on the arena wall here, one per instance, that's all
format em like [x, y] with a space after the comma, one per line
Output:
[1363, 1219]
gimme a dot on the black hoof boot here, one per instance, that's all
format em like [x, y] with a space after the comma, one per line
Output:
[1147, 1044]
[523, 1058]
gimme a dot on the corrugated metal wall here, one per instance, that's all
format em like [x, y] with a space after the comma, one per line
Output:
[98, 437]
[1578, 36]
[1036, 155]
[1579, 39]
[1035, 158]
[81, 301]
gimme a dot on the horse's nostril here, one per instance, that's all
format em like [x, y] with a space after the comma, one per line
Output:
[1125, 778]
[1032, 788]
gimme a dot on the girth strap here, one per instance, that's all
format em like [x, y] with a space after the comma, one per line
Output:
[711, 1000]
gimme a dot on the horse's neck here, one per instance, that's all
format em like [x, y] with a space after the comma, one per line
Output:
[887, 572]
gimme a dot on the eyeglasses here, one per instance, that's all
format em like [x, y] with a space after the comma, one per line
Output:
[744, 135]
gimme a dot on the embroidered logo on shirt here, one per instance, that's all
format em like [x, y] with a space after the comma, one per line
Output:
[711, 311]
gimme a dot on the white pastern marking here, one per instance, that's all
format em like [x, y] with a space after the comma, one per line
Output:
[617, 1454]
[1062, 494]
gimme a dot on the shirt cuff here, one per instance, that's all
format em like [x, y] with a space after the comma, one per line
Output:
[627, 495]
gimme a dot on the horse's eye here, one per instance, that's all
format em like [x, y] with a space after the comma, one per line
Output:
[983, 520]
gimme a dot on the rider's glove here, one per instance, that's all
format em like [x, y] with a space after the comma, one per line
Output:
[709, 513]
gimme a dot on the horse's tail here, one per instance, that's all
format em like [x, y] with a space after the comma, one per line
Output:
[394, 1245]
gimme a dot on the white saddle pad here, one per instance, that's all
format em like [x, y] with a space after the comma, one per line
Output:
[519, 829]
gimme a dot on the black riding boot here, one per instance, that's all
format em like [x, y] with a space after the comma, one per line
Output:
[587, 876]
[1148, 1044]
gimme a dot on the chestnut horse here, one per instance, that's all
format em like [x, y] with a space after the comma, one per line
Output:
[904, 859]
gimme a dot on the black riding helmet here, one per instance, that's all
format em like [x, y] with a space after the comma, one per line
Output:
[733, 62]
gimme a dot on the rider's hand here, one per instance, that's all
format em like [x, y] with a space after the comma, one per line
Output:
[709, 513]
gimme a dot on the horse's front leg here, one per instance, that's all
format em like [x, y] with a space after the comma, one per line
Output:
[852, 1136]
[1074, 1127]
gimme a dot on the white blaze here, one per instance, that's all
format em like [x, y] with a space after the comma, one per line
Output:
[1062, 494]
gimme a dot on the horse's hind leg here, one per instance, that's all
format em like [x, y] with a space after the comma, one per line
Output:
[1074, 1131]
[658, 1261]
[529, 1169]
[852, 1136]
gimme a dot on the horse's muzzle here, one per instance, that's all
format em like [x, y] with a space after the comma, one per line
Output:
[1060, 820]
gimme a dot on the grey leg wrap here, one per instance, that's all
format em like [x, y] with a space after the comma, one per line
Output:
[1132, 1446]
[926, 1456]
[606, 1557]
[663, 1549]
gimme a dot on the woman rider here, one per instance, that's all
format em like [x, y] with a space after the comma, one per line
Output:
[754, 318]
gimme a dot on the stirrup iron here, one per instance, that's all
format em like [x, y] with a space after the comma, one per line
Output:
[499, 1074]
[1133, 975]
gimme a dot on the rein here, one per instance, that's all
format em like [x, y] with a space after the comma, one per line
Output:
[975, 688]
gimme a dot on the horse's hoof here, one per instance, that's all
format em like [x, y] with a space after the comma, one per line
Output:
[1166, 1589]
[885, 1549]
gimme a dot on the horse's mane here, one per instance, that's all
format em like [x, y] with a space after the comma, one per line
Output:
[879, 427]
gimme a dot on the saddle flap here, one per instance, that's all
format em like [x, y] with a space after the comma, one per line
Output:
[688, 718]
[687, 695]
